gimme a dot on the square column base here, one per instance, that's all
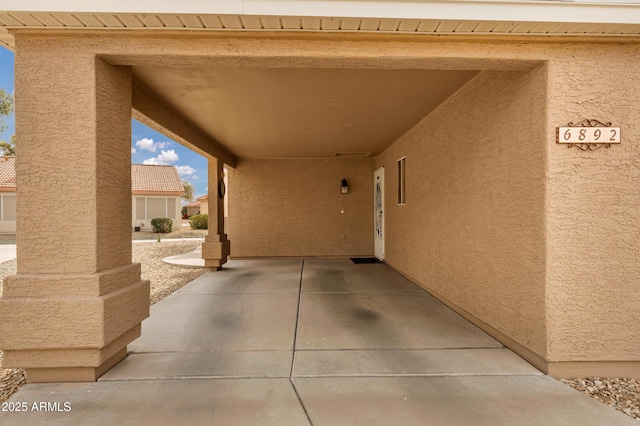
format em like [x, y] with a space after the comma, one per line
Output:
[215, 251]
[74, 374]
[71, 327]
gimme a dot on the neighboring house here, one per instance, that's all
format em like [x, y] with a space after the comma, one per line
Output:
[7, 195]
[156, 192]
[193, 208]
[200, 206]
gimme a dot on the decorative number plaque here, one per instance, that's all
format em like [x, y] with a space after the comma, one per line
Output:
[588, 135]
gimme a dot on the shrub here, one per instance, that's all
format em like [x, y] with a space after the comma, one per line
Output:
[199, 221]
[161, 225]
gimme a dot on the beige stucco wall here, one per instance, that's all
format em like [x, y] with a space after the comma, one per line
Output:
[472, 229]
[53, 80]
[593, 211]
[294, 208]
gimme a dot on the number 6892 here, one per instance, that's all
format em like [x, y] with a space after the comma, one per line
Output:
[589, 135]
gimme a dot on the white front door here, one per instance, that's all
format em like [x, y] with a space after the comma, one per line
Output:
[378, 220]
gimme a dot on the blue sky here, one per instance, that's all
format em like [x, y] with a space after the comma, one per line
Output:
[147, 145]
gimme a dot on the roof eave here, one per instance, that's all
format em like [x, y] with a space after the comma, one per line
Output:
[392, 16]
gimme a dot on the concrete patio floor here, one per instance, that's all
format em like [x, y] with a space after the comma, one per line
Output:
[313, 341]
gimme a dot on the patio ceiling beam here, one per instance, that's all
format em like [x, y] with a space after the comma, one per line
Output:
[151, 110]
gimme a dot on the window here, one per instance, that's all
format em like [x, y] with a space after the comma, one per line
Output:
[401, 182]
[8, 207]
[153, 207]
[140, 208]
[171, 208]
[156, 207]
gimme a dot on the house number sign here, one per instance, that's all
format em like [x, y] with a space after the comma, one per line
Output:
[588, 135]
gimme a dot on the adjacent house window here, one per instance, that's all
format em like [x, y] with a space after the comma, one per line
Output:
[8, 207]
[156, 207]
[141, 209]
[153, 207]
[171, 208]
[401, 182]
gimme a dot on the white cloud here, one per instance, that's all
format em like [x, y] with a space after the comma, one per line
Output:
[149, 145]
[166, 158]
[146, 144]
[186, 171]
[194, 177]
[133, 150]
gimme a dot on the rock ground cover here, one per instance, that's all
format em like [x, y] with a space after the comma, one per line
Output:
[620, 393]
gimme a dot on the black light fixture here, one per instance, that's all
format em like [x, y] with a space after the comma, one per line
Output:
[345, 187]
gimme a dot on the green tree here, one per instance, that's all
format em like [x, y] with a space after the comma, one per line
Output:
[6, 108]
[188, 191]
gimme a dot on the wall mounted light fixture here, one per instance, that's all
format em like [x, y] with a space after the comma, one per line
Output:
[345, 187]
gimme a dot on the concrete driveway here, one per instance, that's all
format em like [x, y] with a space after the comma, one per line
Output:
[313, 341]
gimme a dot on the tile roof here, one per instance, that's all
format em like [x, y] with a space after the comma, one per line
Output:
[144, 178]
[150, 178]
[8, 172]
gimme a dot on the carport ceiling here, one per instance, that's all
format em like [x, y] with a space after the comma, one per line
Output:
[309, 112]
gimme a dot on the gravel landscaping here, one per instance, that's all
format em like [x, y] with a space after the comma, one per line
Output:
[165, 278]
[622, 394]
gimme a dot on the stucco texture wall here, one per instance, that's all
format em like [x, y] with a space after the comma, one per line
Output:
[472, 230]
[593, 204]
[80, 110]
[294, 208]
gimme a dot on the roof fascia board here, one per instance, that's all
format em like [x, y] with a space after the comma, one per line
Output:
[582, 11]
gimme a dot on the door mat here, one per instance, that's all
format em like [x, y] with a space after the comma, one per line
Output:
[365, 260]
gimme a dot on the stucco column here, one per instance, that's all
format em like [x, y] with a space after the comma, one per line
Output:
[216, 246]
[593, 220]
[76, 300]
